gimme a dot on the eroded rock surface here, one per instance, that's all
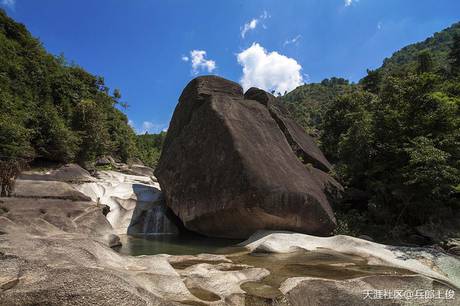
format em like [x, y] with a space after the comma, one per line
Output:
[47, 189]
[429, 262]
[56, 252]
[232, 165]
[136, 204]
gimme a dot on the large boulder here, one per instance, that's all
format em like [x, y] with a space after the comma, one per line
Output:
[232, 165]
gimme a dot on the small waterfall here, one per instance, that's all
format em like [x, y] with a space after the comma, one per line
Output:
[152, 218]
[157, 221]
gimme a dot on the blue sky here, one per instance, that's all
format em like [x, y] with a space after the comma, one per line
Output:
[151, 49]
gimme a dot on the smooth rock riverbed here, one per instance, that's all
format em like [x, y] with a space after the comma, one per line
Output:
[56, 251]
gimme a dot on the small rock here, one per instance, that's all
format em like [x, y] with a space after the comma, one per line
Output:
[454, 250]
[135, 161]
[9, 283]
[104, 161]
[112, 240]
[453, 242]
[141, 170]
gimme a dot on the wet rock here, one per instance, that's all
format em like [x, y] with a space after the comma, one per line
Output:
[113, 240]
[153, 218]
[232, 165]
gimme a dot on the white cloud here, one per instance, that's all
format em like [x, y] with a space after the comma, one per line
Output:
[251, 25]
[150, 127]
[131, 123]
[350, 2]
[269, 70]
[184, 58]
[199, 61]
[8, 3]
[379, 25]
[294, 40]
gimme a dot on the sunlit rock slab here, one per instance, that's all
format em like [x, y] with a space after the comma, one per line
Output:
[425, 261]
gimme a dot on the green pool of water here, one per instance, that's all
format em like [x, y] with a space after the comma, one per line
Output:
[174, 245]
[323, 263]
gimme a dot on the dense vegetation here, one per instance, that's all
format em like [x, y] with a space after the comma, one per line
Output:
[308, 103]
[56, 111]
[149, 148]
[394, 137]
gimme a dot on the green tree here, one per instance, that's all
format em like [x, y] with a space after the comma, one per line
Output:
[454, 55]
[53, 140]
[425, 62]
[371, 81]
[42, 113]
[89, 122]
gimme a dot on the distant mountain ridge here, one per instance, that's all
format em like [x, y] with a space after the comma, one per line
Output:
[308, 102]
[438, 45]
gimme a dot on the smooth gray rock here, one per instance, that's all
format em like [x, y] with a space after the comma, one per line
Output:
[368, 291]
[47, 189]
[70, 173]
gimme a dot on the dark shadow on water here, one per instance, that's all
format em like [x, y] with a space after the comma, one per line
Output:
[183, 244]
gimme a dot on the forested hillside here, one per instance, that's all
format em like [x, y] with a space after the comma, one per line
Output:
[438, 46]
[149, 147]
[53, 110]
[308, 103]
[394, 137]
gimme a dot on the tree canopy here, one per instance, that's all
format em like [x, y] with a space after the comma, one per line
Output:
[54, 110]
[394, 136]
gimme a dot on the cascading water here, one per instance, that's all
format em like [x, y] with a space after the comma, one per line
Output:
[152, 219]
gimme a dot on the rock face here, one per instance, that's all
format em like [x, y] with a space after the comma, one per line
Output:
[234, 164]
[136, 205]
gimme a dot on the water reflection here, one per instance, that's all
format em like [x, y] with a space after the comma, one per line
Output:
[187, 244]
